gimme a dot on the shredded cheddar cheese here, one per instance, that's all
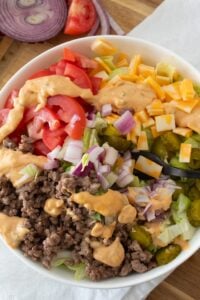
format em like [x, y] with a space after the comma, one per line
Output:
[156, 87]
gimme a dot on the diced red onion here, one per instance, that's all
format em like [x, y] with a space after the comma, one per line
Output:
[104, 182]
[114, 25]
[90, 123]
[150, 214]
[94, 27]
[124, 178]
[141, 198]
[79, 171]
[111, 155]
[125, 123]
[104, 169]
[54, 153]
[95, 153]
[148, 206]
[106, 110]
[73, 151]
[105, 26]
[51, 164]
[127, 155]
[112, 178]
[32, 21]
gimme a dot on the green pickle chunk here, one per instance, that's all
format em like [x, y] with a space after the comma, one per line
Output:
[142, 236]
[167, 254]
[171, 141]
[194, 213]
[117, 142]
[159, 148]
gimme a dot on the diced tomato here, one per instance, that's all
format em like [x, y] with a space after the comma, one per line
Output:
[78, 75]
[60, 68]
[96, 83]
[42, 73]
[35, 128]
[40, 148]
[10, 99]
[46, 115]
[81, 17]
[3, 115]
[52, 68]
[69, 55]
[72, 112]
[53, 138]
[79, 59]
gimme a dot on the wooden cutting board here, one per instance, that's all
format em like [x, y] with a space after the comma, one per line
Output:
[183, 284]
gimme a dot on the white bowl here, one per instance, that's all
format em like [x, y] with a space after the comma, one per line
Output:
[151, 54]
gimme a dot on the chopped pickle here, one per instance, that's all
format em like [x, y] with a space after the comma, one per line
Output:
[194, 193]
[198, 184]
[194, 213]
[159, 148]
[142, 236]
[171, 140]
[174, 162]
[195, 153]
[119, 143]
[167, 254]
[110, 130]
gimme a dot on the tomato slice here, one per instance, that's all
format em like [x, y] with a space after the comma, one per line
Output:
[3, 115]
[79, 59]
[54, 138]
[10, 99]
[81, 17]
[78, 75]
[42, 73]
[72, 113]
[46, 115]
[96, 84]
[40, 148]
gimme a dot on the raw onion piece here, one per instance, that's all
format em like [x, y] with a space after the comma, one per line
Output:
[94, 27]
[105, 25]
[114, 25]
[104, 169]
[111, 155]
[106, 110]
[125, 123]
[51, 164]
[54, 153]
[73, 151]
[94, 153]
[124, 179]
[32, 20]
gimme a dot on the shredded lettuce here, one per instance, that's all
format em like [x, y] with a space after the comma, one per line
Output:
[111, 178]
[193, 141]
[96, 217]
[85, 161]
[66, 165]
[179, 208]
[31, 170]
[58, 262]
[89, 138]
[79, 270]
[108, 60]
[119, 71]
[167, 70]
[174, 162]
[197, 89]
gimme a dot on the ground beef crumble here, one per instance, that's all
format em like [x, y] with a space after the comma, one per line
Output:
[49, 235]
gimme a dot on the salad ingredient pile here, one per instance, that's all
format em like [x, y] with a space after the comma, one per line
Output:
[100, 164]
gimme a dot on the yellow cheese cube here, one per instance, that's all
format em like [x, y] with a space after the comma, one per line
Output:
[102, 47]
[185, 153]
[135, 62]
[187, 89]
[156, 108]
[154, 132]
[142, 116]
[186, 132]
[165, 122]
[186, 106]
[148, 167]
[162, 80]
[111, 118]
[172, 90]
[148, 123]
[146, 71]
[142, 143]
[156, 87]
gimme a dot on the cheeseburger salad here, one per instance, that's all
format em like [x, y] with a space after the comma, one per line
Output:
[100, 164]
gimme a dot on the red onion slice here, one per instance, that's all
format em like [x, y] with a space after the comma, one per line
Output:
[106, 110]
[32, 20]
[105, 26]
[95, 27]
[114, 25]
[125, 123]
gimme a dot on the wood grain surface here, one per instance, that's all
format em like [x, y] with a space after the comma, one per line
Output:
[182, 284]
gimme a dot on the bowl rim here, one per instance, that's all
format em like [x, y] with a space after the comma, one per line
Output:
[107, 283]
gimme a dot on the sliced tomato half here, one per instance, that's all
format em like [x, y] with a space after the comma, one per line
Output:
[41, 73]
[10, 99]
[70, 112]
[81, 17]
[78, 75]
[54, 138]
[40, 148]
[3, 115]
[79, 59]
